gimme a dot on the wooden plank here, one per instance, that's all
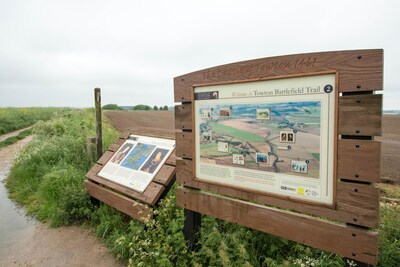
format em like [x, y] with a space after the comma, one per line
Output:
[183, 116]
[153, 193]
[360, 115]
[360, 202]
[152, 132]
[171, 159]
[184, 144]
[117, 144]
[364, 213]
[360, 70]
[126, 205]
[165, 175]
[105, 157]
[360, 245]
[149, 196]
[359, 160]
[124, 135]
[148, 131]
[184, 172]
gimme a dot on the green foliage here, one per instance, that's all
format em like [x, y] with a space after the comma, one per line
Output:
[62, 198]
[155, 108]
[111, 107]
[160, 242]
[12, 119]
[237, 133]
[389, 230]
[389, 235]
[48, 174]
[390, 191]
[165, 107]
[141, 107]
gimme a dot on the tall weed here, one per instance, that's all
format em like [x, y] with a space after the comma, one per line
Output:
[48, 174]
[389, 235]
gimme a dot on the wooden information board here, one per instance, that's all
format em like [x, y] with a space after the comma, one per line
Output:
[265, 131]
[135, 203]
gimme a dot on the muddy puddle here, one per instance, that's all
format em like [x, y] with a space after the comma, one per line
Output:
[14, 224]
[26, 242]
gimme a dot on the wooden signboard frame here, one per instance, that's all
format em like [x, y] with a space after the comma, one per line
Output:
[133, 203]
[346, 227]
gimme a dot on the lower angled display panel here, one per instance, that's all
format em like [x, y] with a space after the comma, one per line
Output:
[137, 161]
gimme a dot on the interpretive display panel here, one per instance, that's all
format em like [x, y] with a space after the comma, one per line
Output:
[137, 161]
[275, 136]
[273, 143]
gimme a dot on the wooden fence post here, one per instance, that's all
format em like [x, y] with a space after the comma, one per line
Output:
[90, 145]
[99, 137]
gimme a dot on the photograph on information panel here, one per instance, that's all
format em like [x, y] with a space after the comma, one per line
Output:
[137, 161]
[274, 136]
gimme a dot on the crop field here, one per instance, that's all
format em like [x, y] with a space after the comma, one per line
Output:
[241, 134]
[12, 119]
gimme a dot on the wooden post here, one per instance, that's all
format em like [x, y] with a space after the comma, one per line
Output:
[352, 262]
[192, 229]
[99, 136]
[90, 144]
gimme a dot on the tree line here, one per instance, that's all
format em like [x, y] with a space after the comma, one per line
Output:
[136, 107]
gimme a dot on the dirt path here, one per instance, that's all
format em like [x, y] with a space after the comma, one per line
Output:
[11, 134]
[25, 242]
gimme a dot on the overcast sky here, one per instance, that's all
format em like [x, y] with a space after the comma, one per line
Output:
[53, 53]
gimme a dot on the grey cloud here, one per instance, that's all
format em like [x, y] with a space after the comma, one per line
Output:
[55, 52]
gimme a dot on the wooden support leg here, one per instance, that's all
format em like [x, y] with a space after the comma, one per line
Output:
[95, 201]
[351, 262]
[192, 229]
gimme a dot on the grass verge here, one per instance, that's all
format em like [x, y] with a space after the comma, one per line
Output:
[14, 139]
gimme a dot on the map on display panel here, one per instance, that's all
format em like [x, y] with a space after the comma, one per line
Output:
[279, 137]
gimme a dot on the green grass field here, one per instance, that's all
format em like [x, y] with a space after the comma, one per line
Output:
[12, 119]
[300, 119]
[316, 156]
[211, 150]
[237, 133]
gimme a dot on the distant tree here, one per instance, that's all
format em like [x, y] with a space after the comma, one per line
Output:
[155, 108]
[112, 107]
[165, 107]
[141, 107]
[161, 108]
